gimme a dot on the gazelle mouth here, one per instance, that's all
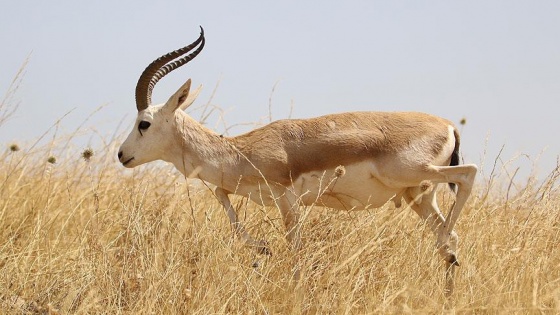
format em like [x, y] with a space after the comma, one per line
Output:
[127, 161]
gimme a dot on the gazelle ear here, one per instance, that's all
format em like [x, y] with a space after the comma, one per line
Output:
[191, 98]
[179, 97]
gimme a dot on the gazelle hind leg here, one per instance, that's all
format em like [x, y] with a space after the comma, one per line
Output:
[463, 176]
[425, 205]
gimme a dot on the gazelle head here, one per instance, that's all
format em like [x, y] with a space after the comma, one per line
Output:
[155, 125]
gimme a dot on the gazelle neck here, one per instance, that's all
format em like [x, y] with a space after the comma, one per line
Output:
[201, 153]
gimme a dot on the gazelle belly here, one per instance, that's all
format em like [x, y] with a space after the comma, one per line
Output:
[350, 187]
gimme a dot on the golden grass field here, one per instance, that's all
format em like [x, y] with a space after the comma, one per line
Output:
[83, 235]
[79, 234]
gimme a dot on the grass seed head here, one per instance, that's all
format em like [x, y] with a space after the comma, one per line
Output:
[87, 154]
[14, 147]
[339, 171]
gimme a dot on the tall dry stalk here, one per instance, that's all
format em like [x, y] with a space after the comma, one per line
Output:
[8, 103]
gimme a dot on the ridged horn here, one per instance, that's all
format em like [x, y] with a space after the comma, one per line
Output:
[161, 67]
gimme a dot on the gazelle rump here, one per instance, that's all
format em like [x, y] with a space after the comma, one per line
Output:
[347, 161]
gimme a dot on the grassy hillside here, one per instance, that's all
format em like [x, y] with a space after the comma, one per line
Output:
[79, 234]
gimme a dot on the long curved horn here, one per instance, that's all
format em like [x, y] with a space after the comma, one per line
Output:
[161, 67]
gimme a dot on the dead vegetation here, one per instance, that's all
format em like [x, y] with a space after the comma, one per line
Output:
[79, 234]
[86, 236]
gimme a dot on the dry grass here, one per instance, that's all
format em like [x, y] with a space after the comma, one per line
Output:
[80, 235]
[85, 236]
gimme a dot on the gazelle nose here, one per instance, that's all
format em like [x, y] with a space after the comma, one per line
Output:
[120, 155]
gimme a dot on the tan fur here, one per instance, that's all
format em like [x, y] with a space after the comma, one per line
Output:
[347, 161]
[285, 149]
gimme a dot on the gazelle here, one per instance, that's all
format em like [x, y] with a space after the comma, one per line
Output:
[371, 157]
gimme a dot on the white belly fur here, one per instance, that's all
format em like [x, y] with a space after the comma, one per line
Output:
[350, 187]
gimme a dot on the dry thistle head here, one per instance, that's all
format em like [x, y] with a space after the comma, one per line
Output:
[426, 185]
[51, 160]
[463, 121]
[87, 154]
[14, 147]
[339, 171]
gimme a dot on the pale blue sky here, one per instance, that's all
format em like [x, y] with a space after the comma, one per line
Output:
[497, 63]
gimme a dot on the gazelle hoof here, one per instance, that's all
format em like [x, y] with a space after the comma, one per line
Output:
[453, 260]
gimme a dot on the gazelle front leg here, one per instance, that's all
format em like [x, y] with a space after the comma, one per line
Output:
[291, 218]
[239, 229]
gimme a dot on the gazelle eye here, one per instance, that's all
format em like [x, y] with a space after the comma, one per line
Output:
[143, 125]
